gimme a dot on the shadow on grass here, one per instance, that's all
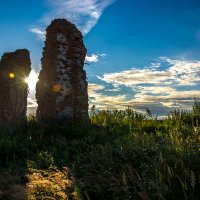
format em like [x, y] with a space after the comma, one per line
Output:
[34, 160]
[11, 187]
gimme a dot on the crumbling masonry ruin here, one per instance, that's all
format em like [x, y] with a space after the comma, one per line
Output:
[14, 68]
[61, 91]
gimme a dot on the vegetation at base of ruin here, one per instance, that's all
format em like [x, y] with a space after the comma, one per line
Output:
[121, 155]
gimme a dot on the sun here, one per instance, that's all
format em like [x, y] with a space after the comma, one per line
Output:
[32, 80]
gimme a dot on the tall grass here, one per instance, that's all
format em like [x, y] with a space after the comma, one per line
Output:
[121, 155]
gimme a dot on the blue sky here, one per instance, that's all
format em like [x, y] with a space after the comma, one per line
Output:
[141, 53]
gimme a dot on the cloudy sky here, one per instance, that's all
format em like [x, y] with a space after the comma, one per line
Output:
[141, 53]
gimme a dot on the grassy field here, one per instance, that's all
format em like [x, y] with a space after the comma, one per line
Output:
[120, 155]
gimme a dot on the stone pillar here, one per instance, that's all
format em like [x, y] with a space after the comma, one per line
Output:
[61, 91]
[14, 68]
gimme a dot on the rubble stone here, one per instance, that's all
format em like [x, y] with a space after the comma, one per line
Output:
[14, 68]
[61, 91]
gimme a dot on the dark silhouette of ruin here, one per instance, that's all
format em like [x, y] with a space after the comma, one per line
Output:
[61, 91]
[14, 68]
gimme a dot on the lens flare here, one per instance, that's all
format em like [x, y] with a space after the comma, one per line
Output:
[11, 75]
[56, 88]
[26, 80]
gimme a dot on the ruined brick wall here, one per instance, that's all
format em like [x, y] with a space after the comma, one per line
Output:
[14, 68]
[61, 91]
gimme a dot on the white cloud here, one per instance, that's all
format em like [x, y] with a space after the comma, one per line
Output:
[31, 106]
[185, 72]
[83, 13]
[93, 57]
[113, 90]
[93, 87]
[102, 101]
[181, 73]
[31, 103]
[136, 76]
[40, 34]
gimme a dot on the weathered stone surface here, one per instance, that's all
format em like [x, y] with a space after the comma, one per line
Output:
[14, 68]
[61, 91]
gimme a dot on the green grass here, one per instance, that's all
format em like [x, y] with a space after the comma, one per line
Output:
[121, 155]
